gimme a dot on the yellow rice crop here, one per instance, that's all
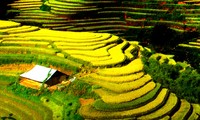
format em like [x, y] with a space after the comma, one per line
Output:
[168, 107]
[66, 48]
[194, 43]
[8, 24]
[112, 61]
[134, 42]
[108, 97]
[19, 29]
[123, 87]
[129, 50]
[27, 43]
[190, 46]
[92, 59]
[134, 66]
[183, 111]
[87, 43]
[96, 53]
[11, 38]
[15, 28]
[116, 54]
[32, 28]
[65, 3]
[196, 111]
[89, 112]
[163, 58]
[118, 79]
[165, 118]
[67, 35]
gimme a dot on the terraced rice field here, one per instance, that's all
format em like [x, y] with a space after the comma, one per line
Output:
[22, 109]
[125, 91]
[117, 17]
[192, 45]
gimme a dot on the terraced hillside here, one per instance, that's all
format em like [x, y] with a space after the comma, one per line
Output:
[192, 50]
[21, 109]
[114, 69]
[118, 17]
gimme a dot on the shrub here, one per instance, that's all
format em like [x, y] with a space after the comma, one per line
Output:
[81, 89]
[67, 103]
[181, 79]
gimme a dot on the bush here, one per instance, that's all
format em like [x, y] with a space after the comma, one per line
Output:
[24, 92]
[181, 79]
[68, 104]
[81, 89]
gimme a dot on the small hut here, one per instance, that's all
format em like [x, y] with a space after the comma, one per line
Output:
[39, 75]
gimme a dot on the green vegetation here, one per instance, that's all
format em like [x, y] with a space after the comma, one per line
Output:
[24, 92]
[20, 108]
[138, 95]
[183, 80]
[7, 80]
[42, 88]
[63, 105]
[190, 53]
[81, 89]
[40, 59]
[45, 7]
[26, 50]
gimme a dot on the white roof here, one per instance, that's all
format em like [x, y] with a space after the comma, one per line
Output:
[39, 73]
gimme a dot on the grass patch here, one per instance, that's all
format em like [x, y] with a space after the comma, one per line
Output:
[8, 80]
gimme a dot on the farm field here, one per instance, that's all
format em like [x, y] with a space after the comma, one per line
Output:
[111, 81]
[118, 17]
[115, 59]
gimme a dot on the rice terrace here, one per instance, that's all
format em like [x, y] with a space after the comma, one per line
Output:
[100, 59]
